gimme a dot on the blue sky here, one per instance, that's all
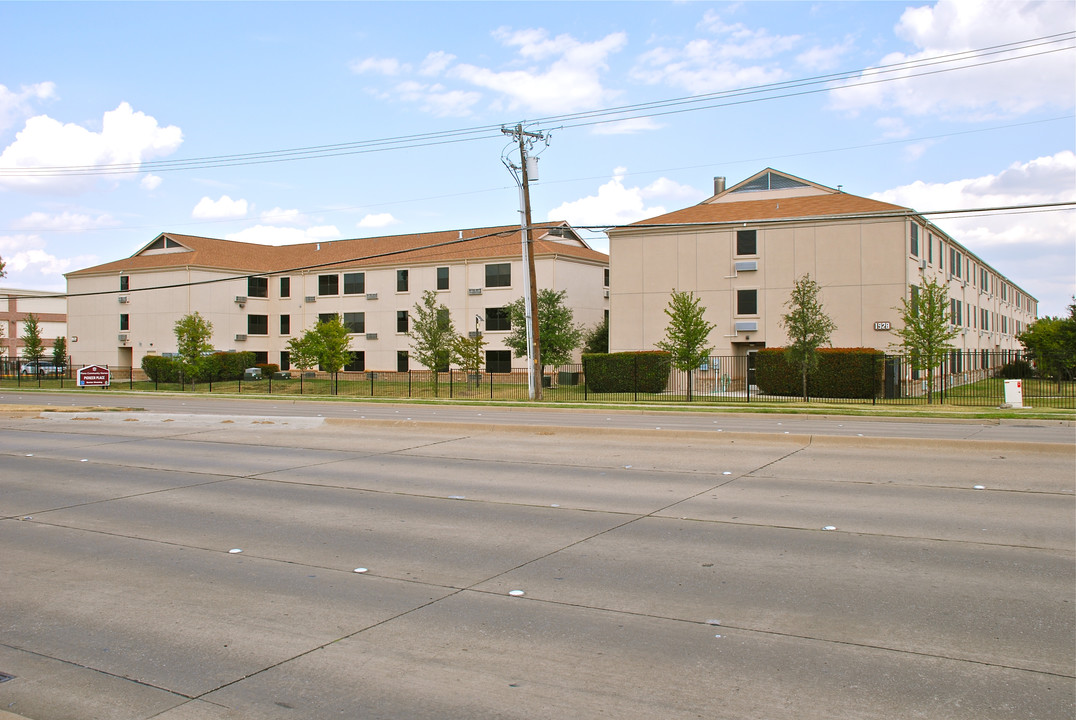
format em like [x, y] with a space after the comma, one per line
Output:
[87, 84]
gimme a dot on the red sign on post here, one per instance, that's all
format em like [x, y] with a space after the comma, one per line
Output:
[94, 376]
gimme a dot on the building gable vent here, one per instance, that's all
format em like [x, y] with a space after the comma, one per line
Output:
[771, 181]
[310, 298]
[240, 337]
[746, 265]
[474, 291]
[747, 326]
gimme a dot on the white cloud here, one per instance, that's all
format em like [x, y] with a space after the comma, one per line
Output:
[379, 66]
[1037, 250]
[378, 220]
[436, 63]
[280, 216]
[952, 26]
[572, 81]
[893, 127]
[150, 182]
[736, 57]
[207, 209]
[126, 137]
[627, 127]
[614, 204]
[30, 266]
[64, 222]
[17, 105]
[271, 235]
[822, 58]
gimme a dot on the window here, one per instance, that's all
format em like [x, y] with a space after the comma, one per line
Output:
[498, 361]
[498, 319]
[499, 275]
[125, 322]
[914, 240]
[354, 283]
[605, 280]
[326, 317]
[261, 357]
[442, 278]
[915, 300]
[401, 321]
[401, 361]
[125, 283]
[328, 284]
[984, 319]
[984, 280]
[746, 242]
[257, 324]
[355, 322]
[357, 363]
[285, 287]
[285, 360]
[257, 287]
[747, 302]
[930, 249]
[401, 281]
[285, 324]
[955, 311]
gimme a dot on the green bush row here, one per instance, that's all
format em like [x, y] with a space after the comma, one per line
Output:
[645, 372]
[212, 368]
[840, 373]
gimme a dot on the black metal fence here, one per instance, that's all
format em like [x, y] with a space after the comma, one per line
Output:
[970, 379]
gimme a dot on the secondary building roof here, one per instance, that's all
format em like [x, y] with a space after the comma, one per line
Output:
[171, 250]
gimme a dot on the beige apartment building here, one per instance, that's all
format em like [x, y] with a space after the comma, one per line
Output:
[258, 297]
[742, 250]
[50, 310]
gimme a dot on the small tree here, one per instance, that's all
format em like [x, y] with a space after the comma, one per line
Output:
[925, 332]
[560, 336]
[333, 344]
[432, 336]
[469, 353]
[687, 334]
[303, 351]
[808, 327]
[596, 339]
[193, 333]
[32, 345]
[1051, 344]
[59, 352]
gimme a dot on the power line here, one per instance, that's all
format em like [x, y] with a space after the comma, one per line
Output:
[771, 91]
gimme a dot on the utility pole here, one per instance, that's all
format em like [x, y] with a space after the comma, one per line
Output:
[530, 286]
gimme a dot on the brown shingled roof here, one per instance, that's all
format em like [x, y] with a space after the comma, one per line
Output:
[396, 250]
[809, 206]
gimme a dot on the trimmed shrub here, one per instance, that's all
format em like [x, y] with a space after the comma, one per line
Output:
[1018, 369]
[840, 373]
[226, 365]
[645, 372]
[268, 369]
[161, 369]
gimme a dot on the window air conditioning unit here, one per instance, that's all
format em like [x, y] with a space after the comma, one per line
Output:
[240, 336]
[474, 291]
[124, 299]
[606, 292]
[122, 337]
[310, 298]
[473, 334]
[923, 264]
[371, 296]
[747, 326]
[371, 336]
[240, 299]
[746, 265]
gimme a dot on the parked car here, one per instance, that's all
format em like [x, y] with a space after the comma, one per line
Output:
[41, 367]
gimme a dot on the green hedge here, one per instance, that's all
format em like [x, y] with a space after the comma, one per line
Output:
[645, 372]
[840, 373]
[214, 368]
[161, 369]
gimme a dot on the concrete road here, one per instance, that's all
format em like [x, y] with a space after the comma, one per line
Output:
[527, 572]
[705, 420]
